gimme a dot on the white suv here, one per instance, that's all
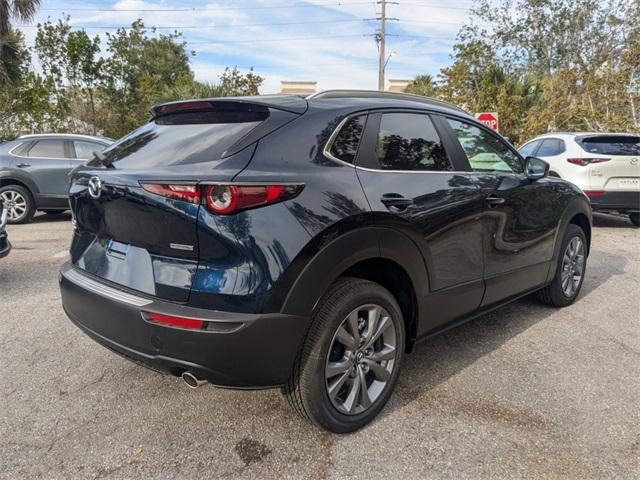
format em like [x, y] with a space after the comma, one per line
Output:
[606, 166]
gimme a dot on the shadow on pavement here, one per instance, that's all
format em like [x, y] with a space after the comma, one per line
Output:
[436, 359]
[49, 218]
[611, 220]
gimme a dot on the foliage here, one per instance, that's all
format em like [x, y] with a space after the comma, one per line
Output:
[423, 85]
[548, 65]
[12, 56]
[86, 87]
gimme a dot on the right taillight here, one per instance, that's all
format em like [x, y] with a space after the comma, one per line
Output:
[583, 162]
[226, 199]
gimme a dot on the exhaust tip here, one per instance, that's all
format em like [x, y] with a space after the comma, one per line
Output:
[192, 380]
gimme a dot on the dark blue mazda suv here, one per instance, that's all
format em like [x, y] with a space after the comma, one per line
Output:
[309, 243]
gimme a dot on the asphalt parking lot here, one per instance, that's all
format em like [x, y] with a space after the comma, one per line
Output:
[524, 392]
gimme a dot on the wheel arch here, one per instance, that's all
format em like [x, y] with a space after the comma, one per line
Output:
[378, 254]
[577, 212]
[10, 178]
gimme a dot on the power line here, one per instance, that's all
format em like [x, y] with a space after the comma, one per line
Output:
[203, 27]
[205, 9]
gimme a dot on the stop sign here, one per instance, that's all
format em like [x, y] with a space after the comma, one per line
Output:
[490, 119]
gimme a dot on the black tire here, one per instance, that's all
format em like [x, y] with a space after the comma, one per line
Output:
[53, 212]
[307, 389]
[554, 294]
[29, 204]
[635, 218]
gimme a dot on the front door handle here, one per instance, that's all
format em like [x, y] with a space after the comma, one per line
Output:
[494, 200]
[396, 200]
[23, 165]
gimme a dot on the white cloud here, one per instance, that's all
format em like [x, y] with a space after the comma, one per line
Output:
[230, 33]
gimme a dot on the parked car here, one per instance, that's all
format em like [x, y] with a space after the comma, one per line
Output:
[5, 246]
[309, 243]
[34, 171]
[606, 166]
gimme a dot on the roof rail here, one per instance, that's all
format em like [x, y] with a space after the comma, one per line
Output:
[377, 94]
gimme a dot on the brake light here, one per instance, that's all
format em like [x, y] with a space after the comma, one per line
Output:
[225, 199]
[178, 191]
[583, 162]
[176, 321]
[594, 193]
[182, 106]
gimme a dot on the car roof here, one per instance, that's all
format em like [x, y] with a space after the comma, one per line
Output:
[581, 134]
[64, 135]
[338, 99]
[377, 99]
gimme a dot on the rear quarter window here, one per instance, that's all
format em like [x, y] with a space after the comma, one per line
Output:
[184, 138]
[611, 144]
[345, 144]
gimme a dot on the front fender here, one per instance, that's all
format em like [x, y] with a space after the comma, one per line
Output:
[18, 176]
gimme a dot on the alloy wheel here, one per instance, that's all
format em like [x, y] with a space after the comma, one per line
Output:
[572, 266]
[16, 204]
[361, 359]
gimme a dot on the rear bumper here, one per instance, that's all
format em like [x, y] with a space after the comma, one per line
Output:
[244, 351]
[616, 201]
[5, 245]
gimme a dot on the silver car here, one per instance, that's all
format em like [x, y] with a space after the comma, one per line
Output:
[34, 171]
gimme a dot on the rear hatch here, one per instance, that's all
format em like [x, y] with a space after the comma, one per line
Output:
[614, 162]
[135, 207]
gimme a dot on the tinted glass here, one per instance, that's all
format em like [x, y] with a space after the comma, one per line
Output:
[484, 151]
[408, 141]
[183, 138]
[85, 150]
[529, 148]
[612, 145]
[550, 147]
[48, 149]
[345, 145]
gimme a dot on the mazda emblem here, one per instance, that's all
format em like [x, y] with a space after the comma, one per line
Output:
[95, 187]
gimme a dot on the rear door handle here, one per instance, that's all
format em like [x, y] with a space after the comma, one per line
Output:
[23, 165]
[494, 200]
[396, 200]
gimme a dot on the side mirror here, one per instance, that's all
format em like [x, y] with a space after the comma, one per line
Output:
[535, 168]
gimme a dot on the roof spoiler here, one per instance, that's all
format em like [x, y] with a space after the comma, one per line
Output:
[286, 103]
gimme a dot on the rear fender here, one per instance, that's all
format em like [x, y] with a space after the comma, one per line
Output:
[340, 254]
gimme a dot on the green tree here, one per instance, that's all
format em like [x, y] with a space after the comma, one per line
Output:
[12, 59]
[423, 85]
[234, 83]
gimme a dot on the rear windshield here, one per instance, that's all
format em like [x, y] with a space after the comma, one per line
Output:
[611, 145]
[182, 138]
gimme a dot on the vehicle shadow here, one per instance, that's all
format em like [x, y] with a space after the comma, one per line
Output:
[611, 220]
[437, 359]
[51, 218]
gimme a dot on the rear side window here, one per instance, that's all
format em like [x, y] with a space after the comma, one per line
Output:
[47, 149]
[345, 145]
[529, 148]
[485, 152]
[85, 150]
[611, 144]
[409, 141]
[551, 147]
[184, 138]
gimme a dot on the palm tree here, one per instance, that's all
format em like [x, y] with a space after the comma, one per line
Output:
[11, 49]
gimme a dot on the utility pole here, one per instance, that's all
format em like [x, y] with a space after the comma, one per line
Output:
[382, 38]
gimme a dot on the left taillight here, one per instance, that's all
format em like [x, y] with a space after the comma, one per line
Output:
[226, 198]
[583, 162]
[177, 191]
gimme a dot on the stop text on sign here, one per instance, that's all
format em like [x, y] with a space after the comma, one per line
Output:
[490, 119]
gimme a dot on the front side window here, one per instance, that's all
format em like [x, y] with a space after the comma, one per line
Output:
[484, 151]
[345, 145]
[551, 147]
[529, 148]
[409, 141]
[47, 149]
[85, 150]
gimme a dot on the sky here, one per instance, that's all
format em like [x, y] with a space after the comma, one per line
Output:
[327, 41]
